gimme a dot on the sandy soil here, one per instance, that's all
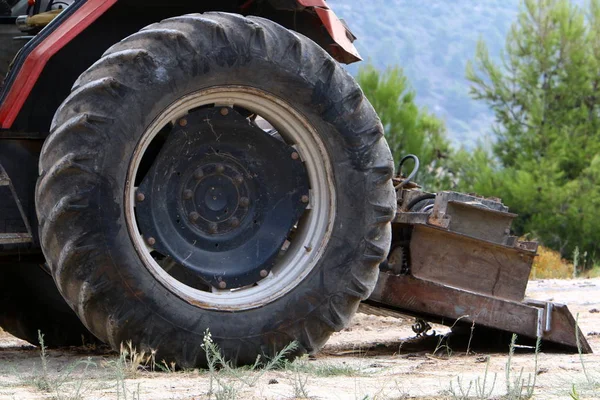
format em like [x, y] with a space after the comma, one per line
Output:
[373, 359]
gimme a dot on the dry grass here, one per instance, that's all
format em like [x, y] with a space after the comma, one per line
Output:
[550, 265]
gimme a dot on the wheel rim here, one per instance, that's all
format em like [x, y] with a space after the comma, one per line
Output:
[311, 233]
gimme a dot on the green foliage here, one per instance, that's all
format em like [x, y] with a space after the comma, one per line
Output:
[432, 41]
[408, 128]
[545, 95]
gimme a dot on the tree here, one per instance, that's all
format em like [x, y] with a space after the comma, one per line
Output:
[545, 94]
[408, 128]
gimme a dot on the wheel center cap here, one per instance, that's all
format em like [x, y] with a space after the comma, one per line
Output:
[215, 199]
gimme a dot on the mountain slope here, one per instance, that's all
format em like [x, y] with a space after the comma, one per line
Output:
[432, 40]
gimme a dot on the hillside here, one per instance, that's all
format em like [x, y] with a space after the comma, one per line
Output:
[432, 40]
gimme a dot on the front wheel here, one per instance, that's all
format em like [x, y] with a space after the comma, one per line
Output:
[215, 172]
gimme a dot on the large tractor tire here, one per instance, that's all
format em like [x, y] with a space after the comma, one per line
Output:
[30, 302]
[215, 172]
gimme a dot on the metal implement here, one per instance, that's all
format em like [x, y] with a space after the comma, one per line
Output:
[453, 258]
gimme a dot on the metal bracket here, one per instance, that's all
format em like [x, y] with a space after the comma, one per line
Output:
[14, 237]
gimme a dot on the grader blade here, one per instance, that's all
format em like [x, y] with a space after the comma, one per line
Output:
[453, 258]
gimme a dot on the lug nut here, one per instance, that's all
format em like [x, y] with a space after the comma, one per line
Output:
[305, 199]
[220, 168]
[187, 194]
[224, 111]
[234, 222]
[182, 122]
[244, 202]
[239, 179]
[198, 174]
[222, 285]
[212, 227]
[151, 241]
[295, 156]
[194, 216]
[140, 197]
[264, 273]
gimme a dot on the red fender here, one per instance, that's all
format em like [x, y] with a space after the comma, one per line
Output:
[342, 50]
[35, 62]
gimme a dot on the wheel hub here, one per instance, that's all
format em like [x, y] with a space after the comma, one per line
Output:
[221, 198]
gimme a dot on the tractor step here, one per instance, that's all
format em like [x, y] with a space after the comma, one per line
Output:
[12, 232]
[12, 238]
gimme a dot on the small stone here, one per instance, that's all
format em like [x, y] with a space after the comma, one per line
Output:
[542, 371]
[273, 381]
[594, 311]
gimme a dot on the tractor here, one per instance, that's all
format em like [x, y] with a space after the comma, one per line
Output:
[173, 169]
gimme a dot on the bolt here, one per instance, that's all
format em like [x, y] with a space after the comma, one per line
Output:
[305, 199]
[220, 168]
[212, 227]
[295, 156]
[239, 179]
[194, 216]
[140, 197]
[151, 241]
[188, 194]
[234, 222]
[182, 122]
[264, 273]
[198, 174]
[222, 285]
[244, 202]
[224, 111]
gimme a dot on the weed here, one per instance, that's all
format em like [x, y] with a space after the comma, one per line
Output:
[326, 369]
[43, 382]
[591, 382]
[299, 381]
[574, 395]
[516, 387]
[225, 380]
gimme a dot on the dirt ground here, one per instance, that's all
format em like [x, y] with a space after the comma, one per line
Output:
[373, 359]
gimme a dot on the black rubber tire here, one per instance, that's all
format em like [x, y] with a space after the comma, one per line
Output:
[29, 301]
[85, 160]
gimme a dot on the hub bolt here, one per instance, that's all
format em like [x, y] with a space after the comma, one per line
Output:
[198, 174]
[222, 285]
[212, 227]
[188, 194]
[194, 216]
[151, 241]
[234, 222]
[182, 122]
[305, 199]
[239, 179]
[224, 111]
[140, 197]
[264, 273]
[295, 156]
[244, 202]
[220, 168]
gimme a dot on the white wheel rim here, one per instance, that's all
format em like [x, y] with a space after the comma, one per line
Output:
[314, 231]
